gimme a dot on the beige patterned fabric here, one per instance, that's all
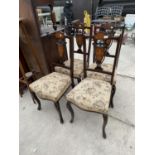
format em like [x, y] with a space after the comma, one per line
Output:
[51, 86]
[78, 68]
[91, 95]
[101, 76]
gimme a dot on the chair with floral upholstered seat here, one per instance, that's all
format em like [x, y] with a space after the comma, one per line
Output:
[79, 30]
[114, 30]
[93, 94]
[53, 86]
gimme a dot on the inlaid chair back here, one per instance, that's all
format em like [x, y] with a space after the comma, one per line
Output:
[101, 44]
[76, 37]
[81, 31]
[61, 42]
[109, 30]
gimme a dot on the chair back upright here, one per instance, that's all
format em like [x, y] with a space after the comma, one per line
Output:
[61, 42]
[101, 44]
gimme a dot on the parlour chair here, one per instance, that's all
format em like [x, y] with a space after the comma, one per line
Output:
[53, 86]
[93, 94]
[107, 66]
[78, 31]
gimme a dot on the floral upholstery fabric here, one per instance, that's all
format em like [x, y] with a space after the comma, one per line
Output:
[101, 76]
[92, 95]
[78, 68]
[51, 86]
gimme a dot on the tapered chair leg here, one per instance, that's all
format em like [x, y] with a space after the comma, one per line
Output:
[69, 107]
[38, 101]
[105, 120]
[57, 105]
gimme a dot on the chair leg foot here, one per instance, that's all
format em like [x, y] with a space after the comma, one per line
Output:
[105, 120]
[39, 107]
[57, 105]
[37, 99]
[69, 107]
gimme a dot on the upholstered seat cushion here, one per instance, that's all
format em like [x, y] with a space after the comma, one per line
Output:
[51, 86]
[78, 68]
[101, 76]
[91, 95]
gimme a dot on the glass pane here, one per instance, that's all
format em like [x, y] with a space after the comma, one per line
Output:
[44, 18]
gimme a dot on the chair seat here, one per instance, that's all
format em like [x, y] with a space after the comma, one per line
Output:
[78, 68]
[101, 76]
[51, 86]
[91, 95]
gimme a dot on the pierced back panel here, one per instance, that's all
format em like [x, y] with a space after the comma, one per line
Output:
[108, 30]
[61, 47]
[81, 32]
[101, 44]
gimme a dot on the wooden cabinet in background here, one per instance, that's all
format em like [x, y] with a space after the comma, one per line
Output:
[43, 44]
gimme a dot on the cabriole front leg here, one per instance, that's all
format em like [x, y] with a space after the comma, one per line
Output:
[105, 120]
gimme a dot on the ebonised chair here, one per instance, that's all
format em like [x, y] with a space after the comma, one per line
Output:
[53, 86]
[92, 94]
[78, 30]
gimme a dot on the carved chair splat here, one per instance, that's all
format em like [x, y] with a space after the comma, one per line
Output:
[78, 33]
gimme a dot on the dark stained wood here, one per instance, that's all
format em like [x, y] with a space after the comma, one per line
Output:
[50, 50]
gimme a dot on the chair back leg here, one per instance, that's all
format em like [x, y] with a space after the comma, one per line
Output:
[105, 120]
[34, 97]
[69, 107]
[57, 106]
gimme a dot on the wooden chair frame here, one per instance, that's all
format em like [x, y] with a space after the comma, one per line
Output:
[61, 45]
[100, 53]
[113, 26]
